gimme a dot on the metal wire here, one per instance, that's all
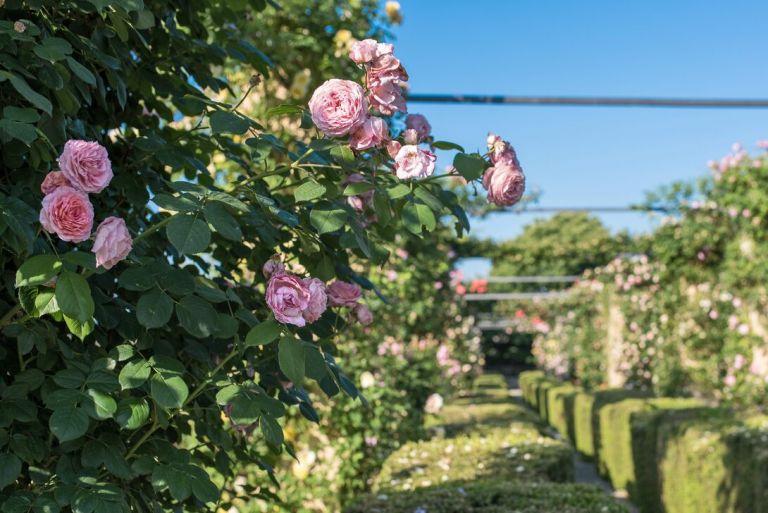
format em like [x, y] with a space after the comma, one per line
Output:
[580, 101]
[527, 279]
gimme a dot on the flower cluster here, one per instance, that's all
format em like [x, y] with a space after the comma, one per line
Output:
[504, 180]
[67, 211]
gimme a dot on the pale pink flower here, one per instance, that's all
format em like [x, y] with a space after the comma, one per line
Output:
[385, 69]
[501, 151]
[763, 143]
[393, 147]
[53, 180]
[363, 52]
[272, 266]
[410, 136]
[338, 107]
[362, 314]
[413, 162]
[112, 242]
[419, 123]
[318, 300]
[371, 441]
[362, 201]
[434, 403]
[729, 380]
[505, 184]
[387, 98]
[739, 361]
[342, 293]
[372, 133]
[68, 213]
[86, 165]
[288, 296]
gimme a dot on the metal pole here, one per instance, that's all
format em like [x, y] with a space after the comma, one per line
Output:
[579, 101]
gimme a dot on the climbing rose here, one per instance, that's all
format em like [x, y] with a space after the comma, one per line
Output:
[393, 147]
[52, 181]
[86, 165]
[68, 213]
[318, 300]
[410, 136]
[342, 293]
[363, 52]
[419, 123]
[112, 242]
[385, 69]
[413, 162]
[434, 403]
[338, 107]
[361, 201]
[372, 133]
[288, 296]
[501, 151]
[505, 184]
[362, 314]
[387, 98]
[272, 266]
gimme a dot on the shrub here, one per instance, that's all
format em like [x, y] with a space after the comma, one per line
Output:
[491, 497]
[527, 383]
[560, 409]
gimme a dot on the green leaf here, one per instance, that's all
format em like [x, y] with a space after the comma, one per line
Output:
[10, 469]
[69, 423]
[23, 88]
[309, 191]
[290, 357]
[134, 374]
[53, 49]
[445, 145]
[188, 234]
[168, 391]
[154, 309]
[45, 303]
[69, 378]
[81, 72]
[327, 218]
[357, 188]
[183, 203]
[132, 413]
[398, 191]
[272, 430]
[222, 221]
[416, 215]
[73, 294]
[224, 122]
[79, 328]
[197, 316]
[104, 405]
[137, 279]
[24, 132]
[469, 165]
[21, 115]
[263, 333]
[284, 110]
[38, 270]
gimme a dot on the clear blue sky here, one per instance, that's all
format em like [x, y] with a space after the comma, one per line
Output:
[587, 155]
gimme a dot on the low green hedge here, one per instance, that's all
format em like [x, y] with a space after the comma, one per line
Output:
[494, 496]
[527, 382]
[560, 404]
[463, 416]
[542, 402]
[615, 457]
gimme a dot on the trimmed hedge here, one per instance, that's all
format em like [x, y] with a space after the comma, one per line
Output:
[560, 405]
[528, 381]
[491, 497]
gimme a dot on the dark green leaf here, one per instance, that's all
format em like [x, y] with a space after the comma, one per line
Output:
[308, 191]
[291, 359]
[68, 423]
[469, 165]
[224, 122]
[168, 391]
[154, 309]
[263, 333]
[188, 234]
[38, 270]
[73, 294]
[134, 374]
[10, 469]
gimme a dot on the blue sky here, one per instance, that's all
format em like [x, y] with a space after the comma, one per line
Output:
[586, 155]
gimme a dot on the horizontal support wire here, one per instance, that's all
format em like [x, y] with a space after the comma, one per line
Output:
[526, 279]
[515, 296]
[581, 101]
[534, 209]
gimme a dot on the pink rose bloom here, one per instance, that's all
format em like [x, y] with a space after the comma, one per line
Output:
[413, 162]
[68, 213]
[739, 361]
[288, 297]
[342, 293]
[363, 52]
[501, 151]
[386, 68]
[372, 133]
[387, 98]
[112, 242]
[393, 147]
[505, 184]
[410, 136]
[419, 123]
[318, 300]
[361, 201]
[86, 165]
[362, 314]
[730, 380]
[338, 107]
[52, 181]
[272, 266]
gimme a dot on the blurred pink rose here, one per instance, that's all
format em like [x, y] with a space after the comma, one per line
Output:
[413, 162]
[68, 213]
[410, 136]
[273, 266]
[387, 98]
[342, 293]
[419, 123]
[86, 165]
[362, 201]
[318, 300]
[729, 380]
[362, 314]
[505, 184]
[373, 132]
[393, 147]
[434, 403]
[338, 107]
[501, 151]
[288, 296]
[739, 361]
[112, 242]
[363, 52]
[53, 180]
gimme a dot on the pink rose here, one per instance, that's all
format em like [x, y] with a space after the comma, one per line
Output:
[52, 181]
[393, 147]
[372, 133]
[342, 293]
[410, 136]
[387, 98]
[318, 300]
[386, 68]
[68, 213]
[501, 151]
[112, 242]
[361, 201]
[273, 266]
[505, 184]
[363, 52]
[419, 123]
[362, 314]
[338, 107]
[86, 165]
[413, 162]
[288, 296]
